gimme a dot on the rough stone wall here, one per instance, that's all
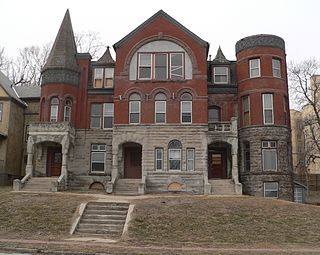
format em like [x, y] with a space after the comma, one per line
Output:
[79, 175]
[154, 136]
[253, 180]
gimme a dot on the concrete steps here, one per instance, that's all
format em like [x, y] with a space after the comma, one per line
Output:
[103, 219]
[39, 184]
[222, 187]
[127, 187]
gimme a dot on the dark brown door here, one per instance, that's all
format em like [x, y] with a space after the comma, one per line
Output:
[132, 162]
[54, 161]
[217, 165]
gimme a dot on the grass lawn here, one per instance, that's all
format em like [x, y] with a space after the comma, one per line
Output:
[225, 220]
[36, 216]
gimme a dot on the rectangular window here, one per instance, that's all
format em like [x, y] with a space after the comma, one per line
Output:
[134, 112]
[186, 111]
[269, 155]
[98, 156]
[108, 110]
[108, 77]
[54, 113]
[298, 195]
[254, 67]
[160, 111]
[145, 61]
[174, 159]
[67, 113]
[159, 159]
[98, 78]
[246, 110]
[160, 66]
[1, 111]
[220, 74]
[276, 68]
[271, 189]
[96, 113]
[246, 156]
[268, 109]
[176, 66]
[190, 159]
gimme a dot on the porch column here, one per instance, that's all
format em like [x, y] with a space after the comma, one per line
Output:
[114, 173]
[65, 143]
[29, 166]
[235, 170]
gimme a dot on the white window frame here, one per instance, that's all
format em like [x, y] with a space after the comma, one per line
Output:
[253, 68]
[66, 107]
[156, 111]
[173, 68]
[107, 114]
[54, 110]
[267, 109]
[154, 66]
[98, 150]
[272, 190]
[182, 112]
[159, 159]
[130, 111]
[190, 159]
[214, 75]
[169, 158]
[97, 76]
[276, 69]
[100, 116]
[270, 146]
[151, 66]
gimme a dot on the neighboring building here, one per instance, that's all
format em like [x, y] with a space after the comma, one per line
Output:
[11, 131]
[162, 117]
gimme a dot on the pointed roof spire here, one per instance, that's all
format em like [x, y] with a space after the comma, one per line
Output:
[63, 52]
[106, 58]
[220, 58]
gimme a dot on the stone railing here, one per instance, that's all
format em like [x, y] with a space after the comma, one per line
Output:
[48, 127]
[220, 126]
[19, 184]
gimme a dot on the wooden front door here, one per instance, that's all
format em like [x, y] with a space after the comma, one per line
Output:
[54, 161]
[217, 165]
[132, 162]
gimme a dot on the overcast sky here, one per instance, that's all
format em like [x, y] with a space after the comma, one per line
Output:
[223, 22]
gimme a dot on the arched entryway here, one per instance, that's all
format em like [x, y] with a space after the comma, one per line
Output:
[54, 159]
[132, 160]
[219, 160]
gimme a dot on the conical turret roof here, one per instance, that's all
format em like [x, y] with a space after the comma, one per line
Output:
[106, 58]
[64, 50]
[220, 58]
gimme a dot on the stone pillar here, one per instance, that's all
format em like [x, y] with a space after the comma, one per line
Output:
[114, 173]
[29, 166]
[65, 149]
[235, 170]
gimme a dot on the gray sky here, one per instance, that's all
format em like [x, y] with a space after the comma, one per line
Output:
[223, 22]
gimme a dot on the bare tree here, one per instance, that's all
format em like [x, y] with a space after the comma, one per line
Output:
[90, 42]
[305, 91]
[3, 60]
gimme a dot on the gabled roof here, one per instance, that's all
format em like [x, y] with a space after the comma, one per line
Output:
[64, 50]
[7, 85]
[106, 58]
[26, 92]
[168, 17]
[220, 58]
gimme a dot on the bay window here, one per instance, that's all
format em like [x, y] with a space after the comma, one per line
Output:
[254, 65]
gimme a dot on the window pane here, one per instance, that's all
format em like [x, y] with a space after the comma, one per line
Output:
[134, 117]
[97, 167]
[221, 78]
[160, 97]
[176, 59]
[269, 159]
[159, 164]
[108, 122]
[176, 68]
[145, 72]
[160, 106]
[254, 72]
[108, 83]
[135, 107]
[186, 117]
[190, 165]
[174, 154]
[214, 115]
[159, 153]
[186, 106]
[186, 97]
[174, 164]
[109, 72]
[95, 122]
[161, 68]
[98, 156]
[254, 63]
[160, 118]
[96, 110]
[98, 73]
[145, 59]
[267, 100]
[268, 117]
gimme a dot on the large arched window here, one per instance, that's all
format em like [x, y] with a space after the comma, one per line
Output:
[214, 114]
[134, 108]
[67, 110]
[186, 108]
[54, 109]
[174, 151]
[160, 108]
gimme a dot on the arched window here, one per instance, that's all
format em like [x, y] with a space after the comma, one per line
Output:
[214, 114]
[134, 108]
[54, 109]
[174, 150]
[186, 108]
[67, 110]
[160, 108]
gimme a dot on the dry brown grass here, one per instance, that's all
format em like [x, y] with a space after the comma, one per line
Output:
[36, 216]
[230, 220]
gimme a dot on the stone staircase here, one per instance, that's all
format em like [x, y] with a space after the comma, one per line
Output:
[39, 184]
[127, 187]
[103, 219]
[222, 187]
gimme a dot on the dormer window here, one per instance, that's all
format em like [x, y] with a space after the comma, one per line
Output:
[103, 77]
[221, 74]
[161, 66]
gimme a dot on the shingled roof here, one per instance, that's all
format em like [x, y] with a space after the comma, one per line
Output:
[106, 59]
[27, 92]
[64, 50]
[220, 58]
[7, 85]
